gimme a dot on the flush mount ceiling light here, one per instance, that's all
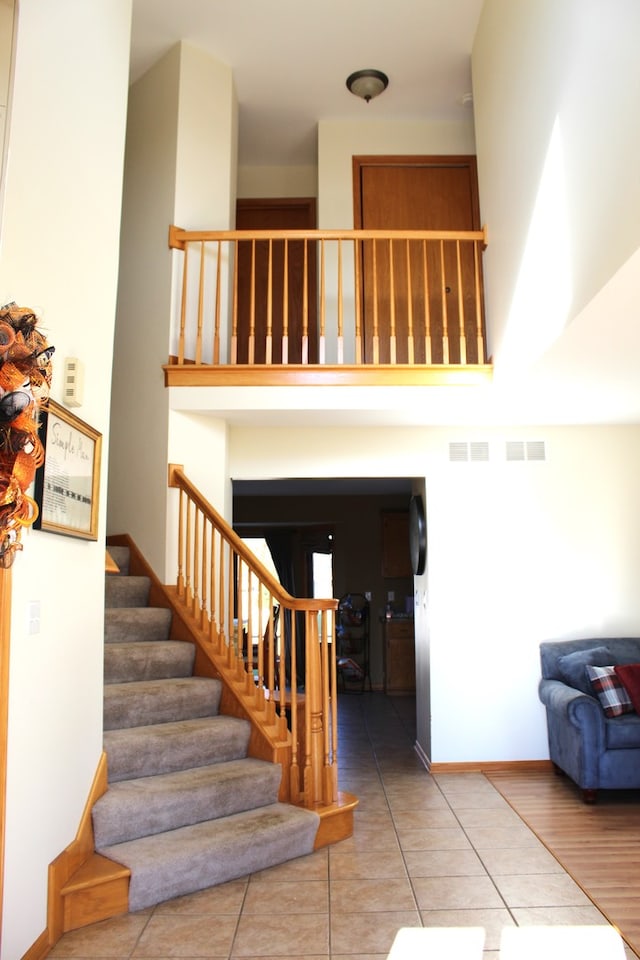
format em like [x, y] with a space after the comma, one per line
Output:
[367, 83]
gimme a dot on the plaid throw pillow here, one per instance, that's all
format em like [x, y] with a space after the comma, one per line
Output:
[609, 690]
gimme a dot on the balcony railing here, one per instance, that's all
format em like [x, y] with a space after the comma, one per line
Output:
[327, 306]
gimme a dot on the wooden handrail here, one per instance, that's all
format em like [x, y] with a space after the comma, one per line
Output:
[179, 237]
[410, 297]
[289, 671]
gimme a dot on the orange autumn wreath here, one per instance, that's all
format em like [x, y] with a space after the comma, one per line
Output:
[25, 380]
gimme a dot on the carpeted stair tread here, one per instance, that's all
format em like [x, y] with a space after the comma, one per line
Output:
[136, 624]
[160, 660]
[171, 864]
[149, 805]
[167, 747]
[185, 808]
[122, 591]
[120, 556]
[159, 701]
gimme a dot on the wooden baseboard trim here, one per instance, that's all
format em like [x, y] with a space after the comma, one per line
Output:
[78, 852]
[39, 949]
[491, 767]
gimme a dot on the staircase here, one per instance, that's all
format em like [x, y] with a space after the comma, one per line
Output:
[186, 807]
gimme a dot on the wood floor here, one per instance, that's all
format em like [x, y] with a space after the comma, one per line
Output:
[599, 845]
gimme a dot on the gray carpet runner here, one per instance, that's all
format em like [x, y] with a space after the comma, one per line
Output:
[186, 808]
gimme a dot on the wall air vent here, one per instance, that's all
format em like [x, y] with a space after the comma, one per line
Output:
[458, 452]
[474, 452]
[519, 450]
[479, 452]
[536, 450]
[515, 450]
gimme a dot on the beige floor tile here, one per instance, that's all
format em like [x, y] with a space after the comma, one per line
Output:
[492, 837]
[110, 938]
[371, 896]
[361, 864]
[302, 896]
[444, 863]
[527, 860]
[420, 819]
[355, 933]
[541, 890]
[364, 956]
[300, 956]
[322, 956]
[492, 920]
[441, 838]
[296, 936]
[455, 893]
[373, 838]
[227, 898]
[565, 916]
[315, 866]
[380, 819]
[166, 936]
[428, 801]
[489, 817]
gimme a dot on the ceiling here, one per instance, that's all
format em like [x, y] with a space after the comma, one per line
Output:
[290, 61]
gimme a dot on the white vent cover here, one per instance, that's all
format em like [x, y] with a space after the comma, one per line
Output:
[479, 451]
[474, 452]
[529, 450]
[536, 450]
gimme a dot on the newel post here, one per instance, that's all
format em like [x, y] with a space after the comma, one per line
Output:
[314, 721]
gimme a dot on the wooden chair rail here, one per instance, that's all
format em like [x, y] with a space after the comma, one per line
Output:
[336, 297]
[280, 647]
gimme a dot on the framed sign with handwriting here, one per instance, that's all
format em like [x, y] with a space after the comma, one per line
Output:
[67, 485]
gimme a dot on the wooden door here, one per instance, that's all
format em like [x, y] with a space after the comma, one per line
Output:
[418, 193]
[277, 214]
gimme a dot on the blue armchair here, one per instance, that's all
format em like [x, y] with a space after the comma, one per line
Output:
[595, 751]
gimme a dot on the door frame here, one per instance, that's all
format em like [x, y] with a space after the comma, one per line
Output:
[467, 165]
[307, 207]
[408, 160]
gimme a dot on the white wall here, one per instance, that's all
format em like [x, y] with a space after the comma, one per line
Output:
[59, 256]
[340, 140]
[555, 86]
[518, 552]
[277, 182]
[180, 169]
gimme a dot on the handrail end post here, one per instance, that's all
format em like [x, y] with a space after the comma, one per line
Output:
[173, 469]
[175, 241]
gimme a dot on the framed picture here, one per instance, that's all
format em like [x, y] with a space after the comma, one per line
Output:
[66, 486]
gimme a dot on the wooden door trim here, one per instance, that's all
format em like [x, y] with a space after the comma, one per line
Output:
[278, 203]
[409, 160]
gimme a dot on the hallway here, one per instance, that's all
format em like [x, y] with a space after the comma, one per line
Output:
[426, 851]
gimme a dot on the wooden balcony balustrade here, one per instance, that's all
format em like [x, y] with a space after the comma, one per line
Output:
[274, 651]
[327, 306]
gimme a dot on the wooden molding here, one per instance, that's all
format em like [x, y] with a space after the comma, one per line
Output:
[5, 642]
[308, 375]
[39, 949]
[72, 858]
[491, 766]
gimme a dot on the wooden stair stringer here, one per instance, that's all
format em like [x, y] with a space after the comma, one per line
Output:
[79, 869]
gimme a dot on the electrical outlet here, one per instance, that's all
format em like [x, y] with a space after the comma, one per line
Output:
[367, 595]
[33, 617]
[391, 595]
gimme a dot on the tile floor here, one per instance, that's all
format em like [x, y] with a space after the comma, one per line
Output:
[427, 851]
